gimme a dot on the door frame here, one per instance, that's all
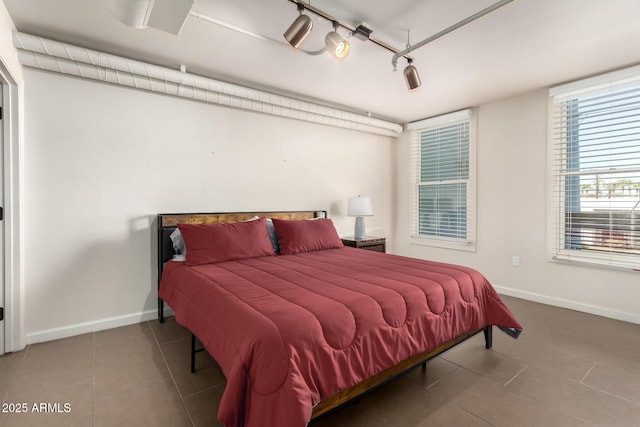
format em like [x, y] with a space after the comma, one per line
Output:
[12, 126]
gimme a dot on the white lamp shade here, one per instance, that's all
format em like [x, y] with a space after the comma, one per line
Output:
[359, 206]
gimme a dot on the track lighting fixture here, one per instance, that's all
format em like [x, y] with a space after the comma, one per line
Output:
[299, 29]
[411, 75]
[337, 46]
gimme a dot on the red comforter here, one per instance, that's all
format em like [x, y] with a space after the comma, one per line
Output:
[290, 330]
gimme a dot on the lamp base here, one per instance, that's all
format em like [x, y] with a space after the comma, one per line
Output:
[359, 232]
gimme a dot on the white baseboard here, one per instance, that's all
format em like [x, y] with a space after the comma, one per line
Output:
[94, 326]
[572, 305]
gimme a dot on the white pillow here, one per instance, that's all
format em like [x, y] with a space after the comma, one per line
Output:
[178, 242]
[273, 236]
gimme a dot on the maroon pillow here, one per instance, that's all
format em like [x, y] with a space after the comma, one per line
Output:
[306, 235]
[209, 243]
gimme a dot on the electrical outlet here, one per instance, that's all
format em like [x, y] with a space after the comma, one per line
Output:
[515, 261]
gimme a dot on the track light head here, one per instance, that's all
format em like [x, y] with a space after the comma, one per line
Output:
[411, 76]
[299, 29]
[337, 46]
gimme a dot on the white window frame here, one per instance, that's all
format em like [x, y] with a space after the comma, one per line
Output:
[558, 170]
[416, 128]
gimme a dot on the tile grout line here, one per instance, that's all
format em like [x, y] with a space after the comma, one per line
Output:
[385, 420]
[173, 380]
[516, 375]
[476, 416]
[611, 394]
[589, 387]
[445, 376]
[189, 396]
[175, 340]
[25, 353]
[587, 374]
[93, 388]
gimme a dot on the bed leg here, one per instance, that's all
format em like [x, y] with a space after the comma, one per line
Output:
[193, 353]
[194, 350]
[161, 310]
[424, 366]
[488, 337]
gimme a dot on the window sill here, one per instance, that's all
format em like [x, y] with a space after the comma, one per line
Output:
[560, 259]
[467, 246]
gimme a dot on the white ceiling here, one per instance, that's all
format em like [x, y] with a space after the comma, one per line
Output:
[523, 46]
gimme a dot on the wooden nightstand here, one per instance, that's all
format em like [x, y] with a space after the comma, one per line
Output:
[370, 243]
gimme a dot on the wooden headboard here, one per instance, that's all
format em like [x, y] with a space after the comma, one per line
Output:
[168, 222]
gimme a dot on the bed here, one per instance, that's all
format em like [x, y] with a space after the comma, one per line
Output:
[300, 324]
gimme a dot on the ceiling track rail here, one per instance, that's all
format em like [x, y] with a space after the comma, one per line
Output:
[457, 25]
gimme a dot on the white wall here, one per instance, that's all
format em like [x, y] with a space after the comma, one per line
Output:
[101, 161]
[512, 209]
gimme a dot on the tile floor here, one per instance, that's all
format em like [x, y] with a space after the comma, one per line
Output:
[567, 369]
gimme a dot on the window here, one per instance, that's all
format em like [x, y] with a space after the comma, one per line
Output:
[595, 156]
[443, 171]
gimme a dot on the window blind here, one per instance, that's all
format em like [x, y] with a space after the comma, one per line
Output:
[442, 187]
[595, 147]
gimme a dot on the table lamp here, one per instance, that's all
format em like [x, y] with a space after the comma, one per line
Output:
[359, 207]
